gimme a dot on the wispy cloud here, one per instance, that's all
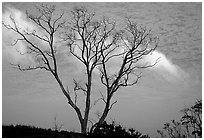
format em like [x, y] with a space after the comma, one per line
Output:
[164, 67]
[15, 51]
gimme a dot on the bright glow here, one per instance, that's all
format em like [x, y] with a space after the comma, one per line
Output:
[17, 53]
[165, 67]
[162, 62]
[14, 53]
[19, 17]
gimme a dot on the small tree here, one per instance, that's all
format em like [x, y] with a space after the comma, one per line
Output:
[99, 42]
[57, 126]
[190, 124]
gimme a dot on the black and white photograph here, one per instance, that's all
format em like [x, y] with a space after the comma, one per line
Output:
[101, 69]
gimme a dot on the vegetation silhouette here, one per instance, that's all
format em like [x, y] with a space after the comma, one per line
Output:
[189, 126]
[22, 131]
[116, 131]
[105, 131]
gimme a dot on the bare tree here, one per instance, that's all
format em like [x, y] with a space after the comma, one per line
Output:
[95, 43]
[98, 43]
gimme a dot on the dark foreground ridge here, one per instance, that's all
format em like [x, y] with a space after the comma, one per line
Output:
[105, 131]
[21, 131]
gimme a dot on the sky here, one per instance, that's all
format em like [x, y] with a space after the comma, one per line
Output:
[34, 98]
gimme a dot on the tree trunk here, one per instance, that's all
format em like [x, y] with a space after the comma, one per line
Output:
[83, 127]
[87, 108]
[83, 122]
[102, 119]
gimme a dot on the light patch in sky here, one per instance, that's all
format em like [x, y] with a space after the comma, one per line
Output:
[15, 53]
[19, 17]
[165, 67]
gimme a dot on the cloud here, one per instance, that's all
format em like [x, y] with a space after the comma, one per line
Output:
[19, 17]
[15, 53]
[164, 67]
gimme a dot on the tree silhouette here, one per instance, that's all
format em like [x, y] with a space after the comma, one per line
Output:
[98, 43]
[190, 124]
